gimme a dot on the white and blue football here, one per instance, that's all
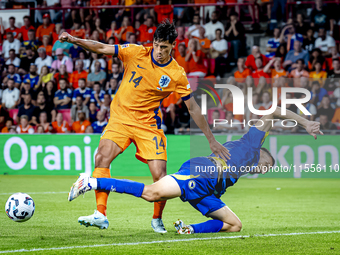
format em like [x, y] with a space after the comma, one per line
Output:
[20, 207]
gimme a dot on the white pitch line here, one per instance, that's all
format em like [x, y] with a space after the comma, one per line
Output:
[166, 241]
[37, 193]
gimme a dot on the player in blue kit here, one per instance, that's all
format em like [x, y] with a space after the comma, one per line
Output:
[203, 180]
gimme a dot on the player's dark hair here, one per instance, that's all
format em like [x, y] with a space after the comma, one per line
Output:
[268, 152]
[165, 31]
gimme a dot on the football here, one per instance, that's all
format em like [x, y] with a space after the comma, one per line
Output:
[20, 207]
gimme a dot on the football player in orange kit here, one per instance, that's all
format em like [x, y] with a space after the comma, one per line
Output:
[150, 75]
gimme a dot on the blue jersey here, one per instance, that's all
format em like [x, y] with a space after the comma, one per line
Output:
[32, 80]
[273, 44]
[197, 180]
[98, 127]
[62, 95]
[101, 97]
[84, 93]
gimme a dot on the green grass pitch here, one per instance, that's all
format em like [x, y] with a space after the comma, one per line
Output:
[265, 206]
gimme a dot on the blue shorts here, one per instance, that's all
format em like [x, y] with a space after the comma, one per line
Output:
[195, 189]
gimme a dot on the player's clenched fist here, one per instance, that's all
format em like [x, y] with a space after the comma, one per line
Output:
[65, 37]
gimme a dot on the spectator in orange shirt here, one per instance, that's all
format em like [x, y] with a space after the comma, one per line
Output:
[164, 11]
[80, 125]
[180, 39]
[298, 72]
[242, 72]
[47, 126]
[259, 74]
[78, 74]
[12, 28]
[195, 58]
[47, 45]
[9, 124]
[145, 32]
[255, 53]
[77, 31]
[60, 125]
[113, 31]
[204, 41]
[180, 58]
[47, 28]
[125, 29]
[277, 71]
[24, 127]
[318, 74]
[25, 28]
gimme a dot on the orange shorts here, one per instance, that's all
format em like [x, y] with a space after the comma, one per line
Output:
[149, 141]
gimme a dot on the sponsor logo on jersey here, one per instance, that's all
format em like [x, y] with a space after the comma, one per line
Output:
[125, 46]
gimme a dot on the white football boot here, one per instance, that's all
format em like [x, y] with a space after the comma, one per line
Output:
[183, 229]
[95, 220]
[158, 226]
[81, 186]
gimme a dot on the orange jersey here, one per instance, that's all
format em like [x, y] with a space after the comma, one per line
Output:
[80, 128]
[171, 99]
[241, 77]
[60, 129]
[41, 31]
[79, 33]
[75, 76]
[181, 61]
[4, 130]
[48, 49]
[146, 33]
[145, 84]
[128, 29]
[205, 43]
[276, 74]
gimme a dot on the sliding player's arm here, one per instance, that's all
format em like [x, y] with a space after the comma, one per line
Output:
[90, 45]
[312, 127]
[195, 112]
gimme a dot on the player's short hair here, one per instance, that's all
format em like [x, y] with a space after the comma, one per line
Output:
[165, 31]
[268, 152]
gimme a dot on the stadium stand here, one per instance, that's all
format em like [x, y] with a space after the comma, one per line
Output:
[262, 44]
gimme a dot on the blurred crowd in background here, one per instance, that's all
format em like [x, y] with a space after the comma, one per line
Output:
[53, 87]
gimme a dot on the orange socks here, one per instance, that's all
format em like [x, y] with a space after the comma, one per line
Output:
[158, 209]
[101, 196]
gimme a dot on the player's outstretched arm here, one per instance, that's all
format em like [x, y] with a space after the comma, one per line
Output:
[94, 46]
[312, 127]
[195, 112]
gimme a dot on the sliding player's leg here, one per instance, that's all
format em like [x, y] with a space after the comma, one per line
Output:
[158, 170]
[164, 189]
[223, 219]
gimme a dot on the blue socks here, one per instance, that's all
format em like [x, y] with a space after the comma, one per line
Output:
[210, 226]
[120, 186]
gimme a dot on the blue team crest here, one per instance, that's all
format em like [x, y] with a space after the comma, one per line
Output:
[164, 81]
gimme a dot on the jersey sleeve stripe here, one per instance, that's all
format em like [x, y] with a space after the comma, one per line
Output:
[187, 97]
[116, 49]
